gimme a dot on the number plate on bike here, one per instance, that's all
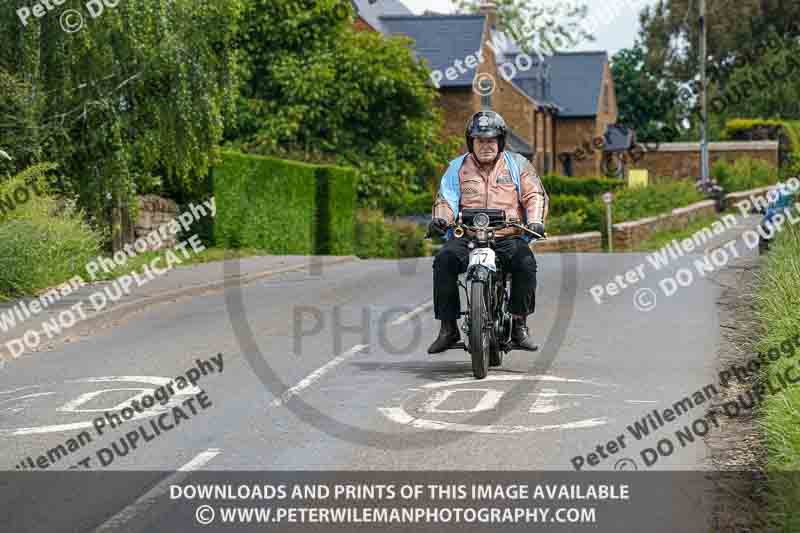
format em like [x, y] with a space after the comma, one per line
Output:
[483, 257]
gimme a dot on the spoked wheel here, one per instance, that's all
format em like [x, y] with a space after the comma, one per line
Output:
[495, 353]
[479, 335]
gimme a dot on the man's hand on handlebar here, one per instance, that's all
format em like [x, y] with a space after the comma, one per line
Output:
[536, 227]
[438, 226]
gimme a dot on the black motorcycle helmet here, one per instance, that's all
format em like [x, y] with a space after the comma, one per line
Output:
[486, 124]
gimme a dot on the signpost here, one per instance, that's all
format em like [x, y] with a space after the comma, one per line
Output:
[607, 199]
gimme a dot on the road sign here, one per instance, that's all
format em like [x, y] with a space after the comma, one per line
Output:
[608, 198]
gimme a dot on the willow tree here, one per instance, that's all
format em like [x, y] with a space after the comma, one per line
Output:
[138, 96]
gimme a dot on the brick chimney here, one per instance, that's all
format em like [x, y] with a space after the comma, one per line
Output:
[489, 10]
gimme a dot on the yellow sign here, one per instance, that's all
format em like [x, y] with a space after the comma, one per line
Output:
[637, 178]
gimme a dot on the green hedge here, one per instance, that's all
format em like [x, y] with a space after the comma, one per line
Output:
[790, 127]
[379, 237]
[285, 207]
[588, 187]
[744, 174]
[336, 188]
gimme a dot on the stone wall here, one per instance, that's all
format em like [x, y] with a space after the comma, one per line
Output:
[579, 242]
[731, 199]
[155, 211]
[678, 161]
[629, 234]
[574, 139]
[458, 105]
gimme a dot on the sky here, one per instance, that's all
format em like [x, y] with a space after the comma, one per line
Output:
[615, 30]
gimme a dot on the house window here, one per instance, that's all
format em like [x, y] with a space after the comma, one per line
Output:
[606, 105]
[486, 101]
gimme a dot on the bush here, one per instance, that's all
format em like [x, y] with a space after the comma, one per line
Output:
[791, 128]
[588, 187]
[562, 204]
[573, 222]
[43, 243]
[383, 238]
[744, 174]
[285, 207]
[410, 204]
[641, 202]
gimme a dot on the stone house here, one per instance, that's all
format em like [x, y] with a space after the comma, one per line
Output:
[551, 107]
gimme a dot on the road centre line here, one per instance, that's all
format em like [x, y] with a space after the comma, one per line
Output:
[114, 523]
[336, 361]
[317, 374]
[408, 316]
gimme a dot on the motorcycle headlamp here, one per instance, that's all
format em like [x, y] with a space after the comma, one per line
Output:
[481, 220]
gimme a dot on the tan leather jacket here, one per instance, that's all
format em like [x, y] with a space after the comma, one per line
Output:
[496, 189]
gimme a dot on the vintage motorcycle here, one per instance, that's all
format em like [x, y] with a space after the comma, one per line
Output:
[487, 322]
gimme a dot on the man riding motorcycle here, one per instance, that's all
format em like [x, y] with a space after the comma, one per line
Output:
[488, 176]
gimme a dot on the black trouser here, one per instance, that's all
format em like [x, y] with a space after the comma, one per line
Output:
[514, 255]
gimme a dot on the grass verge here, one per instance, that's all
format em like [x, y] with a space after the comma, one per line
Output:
[662, 238]
[779, 314]
[206, 256]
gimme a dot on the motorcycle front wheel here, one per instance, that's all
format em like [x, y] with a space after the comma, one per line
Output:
[479, 329]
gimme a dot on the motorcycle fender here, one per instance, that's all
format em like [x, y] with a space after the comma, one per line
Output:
[478, 273]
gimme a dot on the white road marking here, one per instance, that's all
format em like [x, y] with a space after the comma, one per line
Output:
[72, 405]
[489, 400]
[545, 401]
[35, 395]
[399, 415]
[641, 401]
[510, 377]
[542, 405]
[411, 314]
[317, 374]
[146, 500]
[146, 413]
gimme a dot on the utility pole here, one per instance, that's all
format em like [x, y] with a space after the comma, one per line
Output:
[704, 101]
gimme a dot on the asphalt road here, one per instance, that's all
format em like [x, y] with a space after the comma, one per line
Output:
[330, 372]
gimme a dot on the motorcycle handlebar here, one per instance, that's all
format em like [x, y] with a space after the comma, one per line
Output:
[495, 228]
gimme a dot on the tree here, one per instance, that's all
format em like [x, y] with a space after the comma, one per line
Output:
[768, 88]
[736, 28]
[537, 28]
[327, 92]
[141, 90]
[647, 102]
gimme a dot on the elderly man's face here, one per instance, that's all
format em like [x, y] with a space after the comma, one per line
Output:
[485, 149]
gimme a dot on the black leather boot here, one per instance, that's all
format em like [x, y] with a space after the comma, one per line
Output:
[448, 336]
[520, 337]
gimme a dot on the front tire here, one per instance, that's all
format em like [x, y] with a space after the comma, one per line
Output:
[479, 325]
